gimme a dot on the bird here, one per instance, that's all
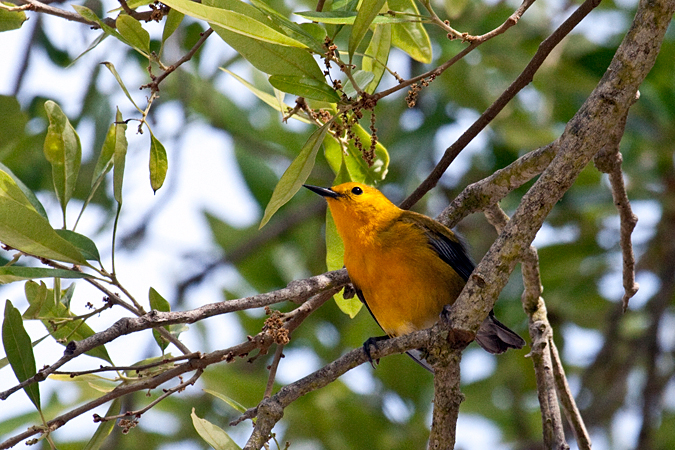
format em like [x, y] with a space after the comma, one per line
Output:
[405, 267]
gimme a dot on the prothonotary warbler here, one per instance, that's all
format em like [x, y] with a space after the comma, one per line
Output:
[404, 266]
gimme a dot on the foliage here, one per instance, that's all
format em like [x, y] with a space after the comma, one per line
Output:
[339, 81]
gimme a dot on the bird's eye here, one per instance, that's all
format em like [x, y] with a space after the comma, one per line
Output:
[357, 190]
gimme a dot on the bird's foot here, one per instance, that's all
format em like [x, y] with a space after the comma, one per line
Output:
[373, 342]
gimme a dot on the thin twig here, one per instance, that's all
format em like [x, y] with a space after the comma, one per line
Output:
[127, 368]
[165, 394]
[609, 161]
[154, 85]
[278, 354]
[567, 401]
[298, 290]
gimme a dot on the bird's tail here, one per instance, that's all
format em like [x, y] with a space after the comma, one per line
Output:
[495, 337]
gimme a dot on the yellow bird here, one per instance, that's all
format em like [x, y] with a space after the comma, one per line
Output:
[404, 266]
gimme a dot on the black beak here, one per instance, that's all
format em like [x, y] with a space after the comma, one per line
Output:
[322, 191]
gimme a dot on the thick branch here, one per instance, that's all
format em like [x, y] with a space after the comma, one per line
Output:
[270, 410]
[584, 136]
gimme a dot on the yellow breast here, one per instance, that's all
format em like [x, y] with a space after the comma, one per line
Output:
[403, 281]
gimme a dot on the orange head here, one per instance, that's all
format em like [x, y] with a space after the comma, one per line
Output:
[357, 209]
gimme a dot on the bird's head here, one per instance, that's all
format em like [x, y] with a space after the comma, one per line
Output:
[356, 205]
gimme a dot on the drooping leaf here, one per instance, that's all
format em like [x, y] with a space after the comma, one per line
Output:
[270, 99]
[11, 274]
[335, 250]
[215, 436]
[173, 20]
[159, 163]
[8, 187]
[24, 229]
[159, 303]
[367, 12]
[92, 17]
[269, 58]
[4, 361]
[119, 156]
[312, 37]
[230, 401]
[105, 428]
[85, 245]
[411, 37]
[347, 17]
[105, 158]
[234, 21]
[112, 70]
[132, 30]
[376, 55]
[58, 319]
[362, 79]
[296, 174]
[101, 37]
[305, 87]
[11, 20]
[19, 351]
[63, 150]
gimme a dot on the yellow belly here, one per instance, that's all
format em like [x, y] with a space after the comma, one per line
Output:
[405, 286]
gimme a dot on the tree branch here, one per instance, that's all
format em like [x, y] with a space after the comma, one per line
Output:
[298, 291]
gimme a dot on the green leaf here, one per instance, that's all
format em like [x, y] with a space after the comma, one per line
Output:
[335, 248]
[24, 229]
[234, 21]
[362, 79]
[19, 351]
[233, 403]
[38, 299]
[134, 33]
[312, 37]
[119, 156]
[101, 37]
[173, 20]
[112, 70]
[4, 361]
[58, 319]
[159, 303]
[269, 58]
[63, 150]
[270, 99]
[368, 10]
[105, 428]
[347, 17]
[92, 17]
[159, 163]
[377, 55]
[11, 20]
[305, 87]
[10, 274]
[410, 37]
[296, 174]
[215, 436]
[105, 158]
[8, 188]
[85, 245]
